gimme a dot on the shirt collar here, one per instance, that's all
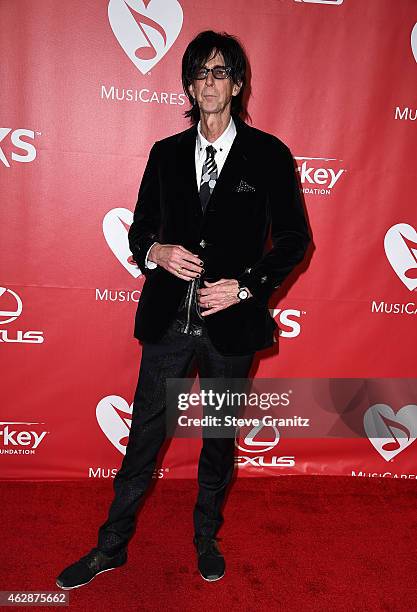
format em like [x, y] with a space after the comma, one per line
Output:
[224, 141]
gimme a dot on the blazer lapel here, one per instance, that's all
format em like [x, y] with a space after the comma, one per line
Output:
[232, 171]
[234, 167]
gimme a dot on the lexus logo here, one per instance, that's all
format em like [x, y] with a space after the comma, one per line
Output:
[145, 29]
[251, 445]
[10, 306]
[10, 309]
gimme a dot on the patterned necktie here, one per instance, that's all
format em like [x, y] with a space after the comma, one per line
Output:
[208, 177]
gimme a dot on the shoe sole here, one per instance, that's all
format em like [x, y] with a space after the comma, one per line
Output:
[208, 579]
[77, 586]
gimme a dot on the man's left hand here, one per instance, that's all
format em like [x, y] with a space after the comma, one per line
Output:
[218, 295]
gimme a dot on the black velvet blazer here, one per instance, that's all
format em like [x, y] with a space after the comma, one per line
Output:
[256, 191]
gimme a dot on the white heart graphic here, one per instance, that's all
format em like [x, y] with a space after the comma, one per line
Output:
[400, 245]
[414, 41]
[146, 30]
[115, 230]
[401, 427]
[114, 415]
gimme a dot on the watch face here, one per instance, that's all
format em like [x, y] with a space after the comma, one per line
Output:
[243, 294]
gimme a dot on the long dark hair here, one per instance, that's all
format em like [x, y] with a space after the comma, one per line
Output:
[204, 46]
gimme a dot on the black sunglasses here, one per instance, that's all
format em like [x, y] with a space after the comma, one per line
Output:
[219, 72]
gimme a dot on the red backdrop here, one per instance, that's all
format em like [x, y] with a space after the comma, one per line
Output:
[87, 87]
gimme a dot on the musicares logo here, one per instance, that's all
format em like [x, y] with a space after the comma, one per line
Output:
[114, 415]
[388, 432]
[116, 225]
[145, 29]
[400, 245]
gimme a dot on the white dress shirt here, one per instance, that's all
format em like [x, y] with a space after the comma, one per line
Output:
[222, 145]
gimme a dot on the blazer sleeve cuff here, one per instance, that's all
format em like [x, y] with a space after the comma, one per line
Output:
[148, 263]
[259, 284]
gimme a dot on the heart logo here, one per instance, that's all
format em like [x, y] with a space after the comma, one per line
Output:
[390, 433]
[116, 225]
[114, 415]
[145, 30]
[400, 245]
[414, 41]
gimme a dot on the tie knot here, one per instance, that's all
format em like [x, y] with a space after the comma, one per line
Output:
[211, 152]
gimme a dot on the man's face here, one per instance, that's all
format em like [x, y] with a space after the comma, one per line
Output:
[213, 95]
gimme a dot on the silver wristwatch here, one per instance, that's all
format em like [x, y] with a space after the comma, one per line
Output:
[243, 293]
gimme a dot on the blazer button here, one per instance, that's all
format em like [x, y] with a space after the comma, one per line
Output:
[203, 243]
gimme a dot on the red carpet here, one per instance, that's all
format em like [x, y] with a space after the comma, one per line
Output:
[291, 543]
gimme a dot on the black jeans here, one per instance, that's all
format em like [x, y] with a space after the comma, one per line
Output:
[171, 357]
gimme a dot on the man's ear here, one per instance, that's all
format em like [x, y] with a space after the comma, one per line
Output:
[191, 90]
[236, 88]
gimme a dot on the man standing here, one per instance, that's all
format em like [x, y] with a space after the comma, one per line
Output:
[208, 199]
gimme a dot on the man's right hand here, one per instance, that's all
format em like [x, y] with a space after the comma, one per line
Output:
[177, 260]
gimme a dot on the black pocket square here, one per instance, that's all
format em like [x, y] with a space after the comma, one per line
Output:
[244, 186]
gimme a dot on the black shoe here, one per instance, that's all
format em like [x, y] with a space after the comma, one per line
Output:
[210, 560]
[83, 571]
